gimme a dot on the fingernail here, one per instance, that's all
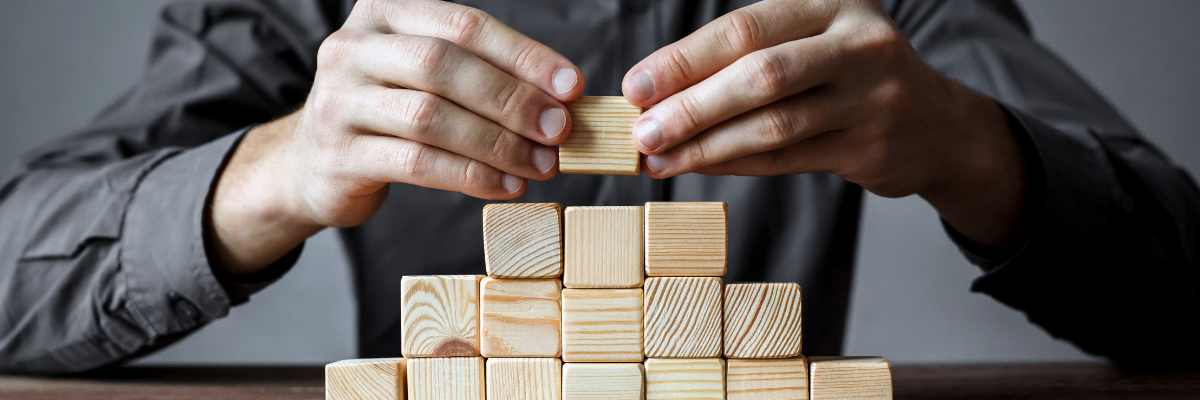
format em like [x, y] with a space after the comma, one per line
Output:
[553, 121]
[656, 163]
[512, 183]
[649, 134]
[564, 80]
[543, 158]
[641, 87]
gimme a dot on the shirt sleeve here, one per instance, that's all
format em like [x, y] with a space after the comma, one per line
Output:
[1108, 258]
[102, 252]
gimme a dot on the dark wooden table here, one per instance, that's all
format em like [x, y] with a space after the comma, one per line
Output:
[1020, 381]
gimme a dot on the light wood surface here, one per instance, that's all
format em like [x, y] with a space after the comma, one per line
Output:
[685, 379]
[366, 379]
[602, 325]
[603, 381]
[601, 140]
[767, 379]
[603, 247]
[686, 239]
[453, 378]
[857, 378]
[440, 315]
[762, 320]
[524, 379]
[523, 240]
[682, 317]
[520, 317]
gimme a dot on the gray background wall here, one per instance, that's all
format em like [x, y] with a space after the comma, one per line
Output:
[61, 61]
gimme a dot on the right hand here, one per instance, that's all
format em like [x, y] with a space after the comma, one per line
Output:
[428, 93]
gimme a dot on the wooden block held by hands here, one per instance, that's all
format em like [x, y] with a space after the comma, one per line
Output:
[524, 379]
[603, 247]
[601, 140]
[523, 240]
[762, 320]
[602, 325]
[603, 381]
[686, 239]
[767, 379]
[682, 317]
[685, 379]
[520, 317]
[850, 378]
[366, 379]
[440, 315]
[452, 378]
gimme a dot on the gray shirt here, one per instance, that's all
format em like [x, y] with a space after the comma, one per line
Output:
[103, 259]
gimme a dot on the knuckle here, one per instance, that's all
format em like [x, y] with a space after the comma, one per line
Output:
[690, 112]
[409, 159]
[743, 32]
[512, 98]
[466, 25]
[678, 64]
[778, 126]
[420, 111]
[768, 73]
[430, 55]
[880, 41]
[778, 161]
[473, 175]
[699, 154]
[528, 58]
[337, 48]
[504, 146]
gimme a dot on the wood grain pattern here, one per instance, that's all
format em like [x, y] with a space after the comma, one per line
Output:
[767, 379]
[602, 325]
[520, 317]
[685, 379]
[603, 381]
[858, 378]
[440, 315]
[523, 240]
[762, 320]
[601, 140]
[524, 379]
[366, 379]
[682, 317]
[452, 378]
[686, 239]
[603, 247]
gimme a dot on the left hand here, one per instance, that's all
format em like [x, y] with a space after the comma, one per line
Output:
[787, 87]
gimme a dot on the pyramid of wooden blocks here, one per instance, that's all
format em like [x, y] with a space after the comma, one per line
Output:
[762, 320]
[603, 247]
[440, 315]
[685, 239]
[685, 378]
[767, 379]
[849, 378]
[523, 240]
[602, 325]
[603, 381]
[682, 317]
[524, 379]
[365, 379]
[453, 378]
[520, 317]
[601, 140]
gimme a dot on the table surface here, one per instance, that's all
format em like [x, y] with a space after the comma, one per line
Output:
[1037, 381]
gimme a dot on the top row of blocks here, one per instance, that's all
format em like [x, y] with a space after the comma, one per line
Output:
[605, 247]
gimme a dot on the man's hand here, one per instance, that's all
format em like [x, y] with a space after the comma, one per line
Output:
[428, 93]
[788, 86]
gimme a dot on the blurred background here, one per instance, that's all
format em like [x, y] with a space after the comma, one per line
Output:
[61, 61]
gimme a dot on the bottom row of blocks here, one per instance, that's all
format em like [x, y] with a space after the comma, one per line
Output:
[549, 379]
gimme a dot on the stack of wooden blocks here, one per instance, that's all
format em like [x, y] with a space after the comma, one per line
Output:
[643, 315]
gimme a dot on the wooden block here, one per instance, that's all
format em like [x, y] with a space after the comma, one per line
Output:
[439, 315]
[365, 379]
[685, 379]
[767, 379]
[603, 247]
[520, 317]
[523, 240]
[453, 378]
[686, 239]
[602, 325]
[601, 140]
[524, 379]
[762, 320]
[850, 378]
[682, 317]
[603, 381]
